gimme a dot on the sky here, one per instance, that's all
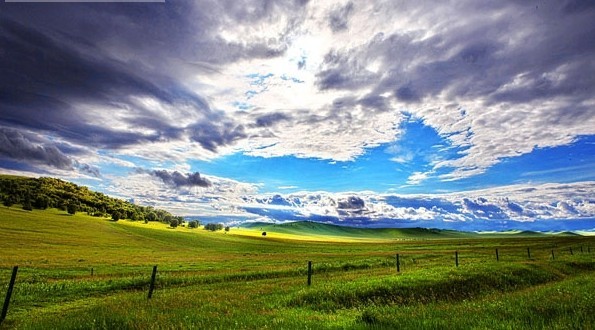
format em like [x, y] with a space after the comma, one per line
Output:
[467, 114]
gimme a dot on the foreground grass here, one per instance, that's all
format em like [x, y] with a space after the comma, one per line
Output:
[242, 280]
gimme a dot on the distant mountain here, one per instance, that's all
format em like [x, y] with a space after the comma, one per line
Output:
[311, 228]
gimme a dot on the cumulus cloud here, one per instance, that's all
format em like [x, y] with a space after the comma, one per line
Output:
[517, 203]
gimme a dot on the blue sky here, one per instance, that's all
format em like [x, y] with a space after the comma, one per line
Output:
[469, 110]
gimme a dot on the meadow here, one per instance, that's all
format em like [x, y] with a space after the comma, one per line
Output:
[82, 272]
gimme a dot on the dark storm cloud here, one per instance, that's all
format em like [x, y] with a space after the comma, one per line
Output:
[214, 135]
[271, 119]
[176, 179]
[351, 202]
[54, 78]
[87, 169]
[22, 147]
[62, 64]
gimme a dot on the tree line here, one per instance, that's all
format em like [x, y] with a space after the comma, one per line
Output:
[43, 193]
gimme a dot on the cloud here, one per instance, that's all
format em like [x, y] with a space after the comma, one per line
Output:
[27, 148]
[339, 18]
[495, 79]
[176, 179]
[517, 203]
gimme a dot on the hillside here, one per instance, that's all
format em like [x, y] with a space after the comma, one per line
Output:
[320, 230]
[43, 193]
[309, 228]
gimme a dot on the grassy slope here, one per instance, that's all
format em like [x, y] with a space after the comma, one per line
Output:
[243, 280]
[315, 229]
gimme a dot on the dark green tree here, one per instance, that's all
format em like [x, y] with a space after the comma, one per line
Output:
[27, 206]
[151, 216]
[213, 226]
[116, 215]
[8, 201]
[71, 208]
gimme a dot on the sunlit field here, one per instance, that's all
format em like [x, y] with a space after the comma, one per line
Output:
[81, 272]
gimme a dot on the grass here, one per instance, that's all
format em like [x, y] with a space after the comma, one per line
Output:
[241, 280]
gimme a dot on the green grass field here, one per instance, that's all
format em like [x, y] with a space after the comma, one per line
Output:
[242, 280]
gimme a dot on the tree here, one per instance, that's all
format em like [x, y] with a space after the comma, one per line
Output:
[72, 208]
[193, 224]
[41, 202]
[151, 216]
[116, 215]
[213, 226]
[8, 201]
[27, 205]
[173, 223]
[226, 228]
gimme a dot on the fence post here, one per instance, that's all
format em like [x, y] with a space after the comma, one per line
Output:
[457, 258]
[152, 286]
[497, 256]
[398, 264]
[571, 251]
[581, 249]
[9, 293]
[553, 257]
[528, 253]
[91, 271]
[309, 273]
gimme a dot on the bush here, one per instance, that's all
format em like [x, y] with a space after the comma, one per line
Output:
[173, 223]
[193, 224]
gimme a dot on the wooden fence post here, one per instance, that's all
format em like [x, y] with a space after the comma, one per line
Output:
[553, 257]
[571, 251]
[497, 256]
[457, 258]
[9, 293]
[398, 264]
[91, 271]
[528, 253]
[581, 249]
[309, 273]
[152, 286]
